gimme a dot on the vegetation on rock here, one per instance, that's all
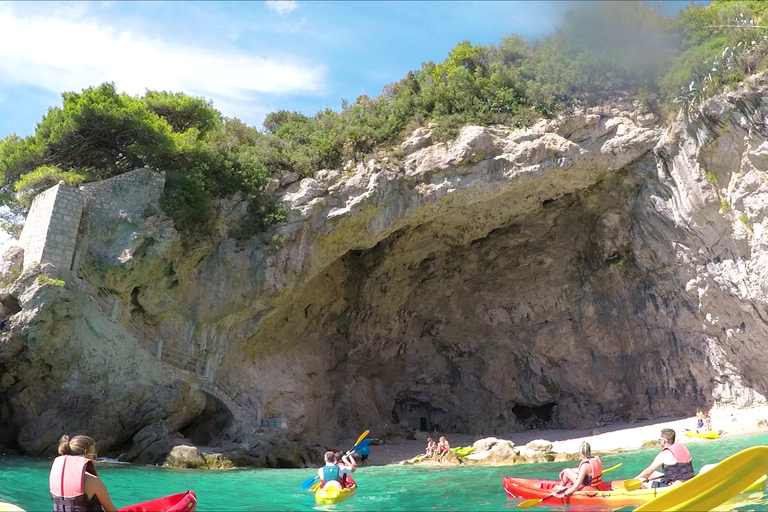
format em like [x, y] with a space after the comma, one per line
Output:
[622, 51]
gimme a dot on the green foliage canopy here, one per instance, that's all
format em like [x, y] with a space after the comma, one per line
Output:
[602, 52]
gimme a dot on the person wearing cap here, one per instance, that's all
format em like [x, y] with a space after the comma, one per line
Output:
[675, 462]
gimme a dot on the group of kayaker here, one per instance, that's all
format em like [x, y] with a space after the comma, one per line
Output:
[703, 421]
[674, 460]
[336, 470]
[437, 450]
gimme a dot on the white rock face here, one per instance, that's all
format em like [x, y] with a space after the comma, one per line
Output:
[591, 268]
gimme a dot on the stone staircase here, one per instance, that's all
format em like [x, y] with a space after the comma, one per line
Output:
[195, 368]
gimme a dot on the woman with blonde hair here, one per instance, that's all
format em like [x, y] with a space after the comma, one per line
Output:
[74, 484]
[588, 473]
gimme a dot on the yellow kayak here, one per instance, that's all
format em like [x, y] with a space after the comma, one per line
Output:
[718, 485]
[9, 507]
[334, 494]
[711, 434]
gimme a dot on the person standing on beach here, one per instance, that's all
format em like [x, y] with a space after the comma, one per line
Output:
[674, 460]
[589, 472]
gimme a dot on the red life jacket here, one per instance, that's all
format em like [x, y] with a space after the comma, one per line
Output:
[67, 484]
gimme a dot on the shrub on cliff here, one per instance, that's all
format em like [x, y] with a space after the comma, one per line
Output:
[99, 133]
[42, 178]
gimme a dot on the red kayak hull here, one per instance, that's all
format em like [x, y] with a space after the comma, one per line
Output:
[531, 488]
[182, 502]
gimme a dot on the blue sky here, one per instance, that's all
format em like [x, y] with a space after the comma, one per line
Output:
[250, 58]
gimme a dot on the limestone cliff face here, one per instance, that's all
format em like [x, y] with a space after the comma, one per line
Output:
[597, 267]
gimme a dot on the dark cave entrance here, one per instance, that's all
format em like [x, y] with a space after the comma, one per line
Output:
[417, 414]
[534, 416]
[206, 428]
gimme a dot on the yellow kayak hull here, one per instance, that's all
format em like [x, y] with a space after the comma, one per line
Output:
[334, 494]
[711, 434]
[718, 485]
[9, 507]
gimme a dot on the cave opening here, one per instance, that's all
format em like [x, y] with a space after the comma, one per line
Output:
[534, 416]
[206, 428]
[415, 413]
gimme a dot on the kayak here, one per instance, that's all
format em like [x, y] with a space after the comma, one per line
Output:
[9, 507]
[610, 494]
[182, 502]
[463, 451]
[333, 494]
[718, 485]
[710, 434]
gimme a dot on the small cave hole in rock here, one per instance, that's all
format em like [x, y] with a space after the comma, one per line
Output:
[207, 427]
[534, 416]
[136, 308]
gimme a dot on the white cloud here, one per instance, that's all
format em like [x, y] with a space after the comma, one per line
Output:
[66, 55]
[282, 6]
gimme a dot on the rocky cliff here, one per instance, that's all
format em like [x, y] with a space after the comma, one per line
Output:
[595, 267]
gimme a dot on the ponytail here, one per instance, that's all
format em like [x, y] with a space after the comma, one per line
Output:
[77, 445]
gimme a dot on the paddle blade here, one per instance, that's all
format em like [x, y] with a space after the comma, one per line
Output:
[306, 484]
[530, 503]
[362, 436]
[315, 487]
[612, 468]
[632, 484]
[364, 442]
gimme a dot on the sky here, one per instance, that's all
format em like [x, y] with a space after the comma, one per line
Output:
[249, 58]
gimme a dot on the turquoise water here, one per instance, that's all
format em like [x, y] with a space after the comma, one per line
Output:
[24, 482]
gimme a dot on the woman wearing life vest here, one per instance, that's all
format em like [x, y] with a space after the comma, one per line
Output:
[674, 460]
[74, 484]
[588, 473]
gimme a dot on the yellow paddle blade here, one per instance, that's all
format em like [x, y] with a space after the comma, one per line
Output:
[530, 503]
[632, 484]
[612, 468]
[362, 436]
[719, 484]
[315, 487]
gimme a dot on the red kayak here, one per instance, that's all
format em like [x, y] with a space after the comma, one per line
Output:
[531, 488]
[182, 502]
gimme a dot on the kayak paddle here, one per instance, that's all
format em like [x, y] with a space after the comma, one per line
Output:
[634, 484]
[536, 501]
[362, 436]
[309, 482]
[719, 484]
[315, 487]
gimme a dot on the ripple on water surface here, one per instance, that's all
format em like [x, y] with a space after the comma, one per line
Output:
[24, 482]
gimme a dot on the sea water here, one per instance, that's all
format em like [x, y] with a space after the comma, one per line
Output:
[24, 482]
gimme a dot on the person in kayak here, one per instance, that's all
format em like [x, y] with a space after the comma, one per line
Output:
[347, 461]
[674, 460]
[589, 472]
[74, 484]
[333, 474]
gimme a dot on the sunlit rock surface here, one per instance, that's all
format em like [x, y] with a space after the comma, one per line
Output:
[596, 267]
